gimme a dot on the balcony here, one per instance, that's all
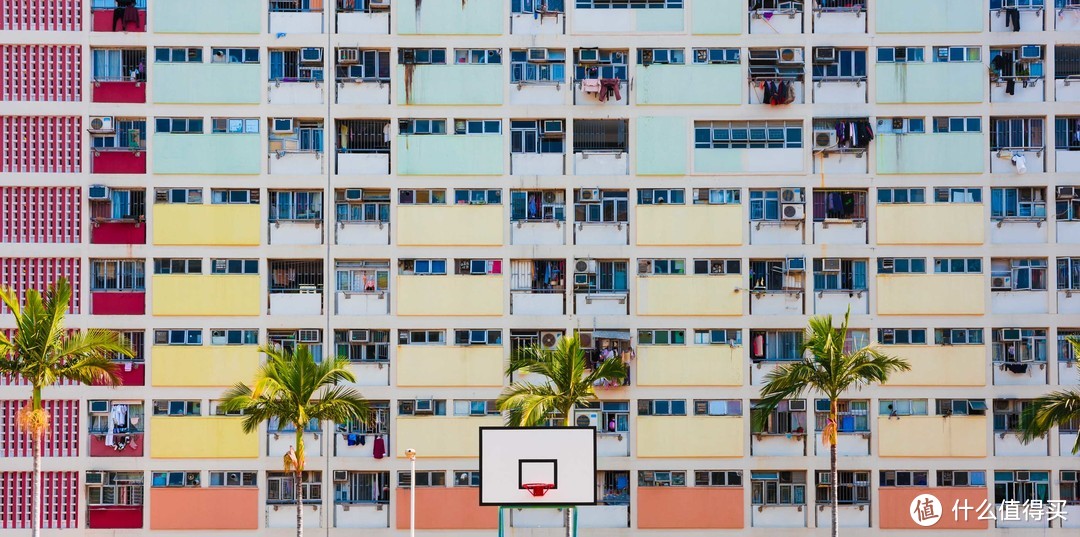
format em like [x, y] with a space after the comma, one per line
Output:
[450, 365]
[429, 435]
[450, 225]
[278, 442]
[537, 163]
[614, 98]
[787, 302]
[1008, 444]
[779, 445]
[118, 302]
[283, 515]
[285, 92]
[606, 303]
[208, 16]
[931, 294]
[627, 21]
[932, 436]
[940, 365]
[757, 94]
[362, 92]
[930, 82]
[537, 303]
[755, 161]
[445, 508]
[538, 232]
[1034, 159]
[451, 84]
[369, 22]
[302, 302]
[778, 232]
[200, 437]
[840, 302]
[217, 508]
[362, 233]
[601, 163]
[180, 224]
[840, 231]
[450, 295]
[112, 19]
[117, 232]
[839, 17]
[937, 153]
[296, 232]
[114, 516]
[119, 91]
[935, 223]
[1031, 18]
[206, 295]
[342, 448]
[450, 154]
[363, 163]
[361, 515]
[133, 446]
[699, 436]
[131, 373]
[474, 17]
[717, 17]
[1068, 301]
[895, 507]
[929, 16]
[689, 295]
[546, 23]
[118, 161]
[202, 365]
[847, 444]
[1025, 89]
[219, 154]
[703, 508]
[849, 516]
[785, 21]
[186, 83]
[690, 365]
[287, 18]
[362, 303]
[1015, 302]
[779, 516]
[700, 84]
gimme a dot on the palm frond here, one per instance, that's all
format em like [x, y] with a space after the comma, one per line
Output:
[1048, 411]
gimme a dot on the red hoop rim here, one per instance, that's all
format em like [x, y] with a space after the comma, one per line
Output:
[538, 489]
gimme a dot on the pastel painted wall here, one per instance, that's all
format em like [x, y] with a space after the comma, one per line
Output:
[689, 436]
[931, 82]
[450, 225]
[430, 435]
[787, 160]
[661, 144]
[660, 508]
[717, 17]
[689, 365]
[219, 154]
[933, 436]
[689, 295]
[206, 294]
[184, 224]
[208, 16]
[931, 294]
[450, 295]
[930, 153]
[695, 84]
[933, 223]
[478, 154]
[189, 83]
[689, 225]
[446, 508]
[929, 16]
[200, 437]
[895, 507]
[940, 365]
[207, 508]
[472, 17]
[450, 84]
[450, 365]
[204, 365]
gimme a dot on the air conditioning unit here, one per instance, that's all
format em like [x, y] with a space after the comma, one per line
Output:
[790, 56]
[99, 407]
[407, 407]
[792, 195]
[1066, 192]
[548, 340]
[793, 211]
[824, 139]
[408, 56]
[379, 4]
[538, 54]
[552, 127]
[1010, 334]
[795, 264]
[888, 336]
[797, 405]
[311, 55]
[824, 478]
[97, 192]
[347, 56]
[588, 419]
[646, 56]
[358, 336]
[1001, 282]
[1023, 476]
[888, 264]
[425, 406]
[830, 264]
[282, 125]
[341, 475]
[586, 340]
[824, 54]
[550, 196]
[354, 194]
[1030, 52]
[102, 124]
[589, 194]
[585, 266]
[884, 126]
[588, 55]
[308, 336]
[946, 337]
[95, 478]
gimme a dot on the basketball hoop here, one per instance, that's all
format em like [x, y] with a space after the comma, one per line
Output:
[538, 489]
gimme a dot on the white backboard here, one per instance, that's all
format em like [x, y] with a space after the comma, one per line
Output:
[562, 456]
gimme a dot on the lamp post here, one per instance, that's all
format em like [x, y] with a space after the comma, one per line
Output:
[411, 453]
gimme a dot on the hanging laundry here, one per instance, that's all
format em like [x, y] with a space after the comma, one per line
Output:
[1012, 18]
[1020, 162]
[378, 449]
[590, 85]
[609, 86]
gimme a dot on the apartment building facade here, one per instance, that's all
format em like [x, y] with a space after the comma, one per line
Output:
[423, 186]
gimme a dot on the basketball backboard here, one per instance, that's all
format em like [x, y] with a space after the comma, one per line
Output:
[512, 457]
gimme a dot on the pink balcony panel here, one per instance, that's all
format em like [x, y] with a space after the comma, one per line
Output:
[119, 161]
[118, 303]
[118, 233]
[119, 92]
[103, 22]
[132, 448]
[114, 517]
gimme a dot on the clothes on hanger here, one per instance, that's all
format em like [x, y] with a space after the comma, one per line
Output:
[1012, 18]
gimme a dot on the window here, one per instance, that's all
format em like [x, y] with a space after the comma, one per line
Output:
[852, 488]
[537, 276]
[177, 266]
[477, 337]
[747, 134]
[717, 266]
[593, 63]
[537, 65]
[901, 265]
[1067, 130]
[233, 478]
[129, 134]
[957, 124]
[411, 56]
[777, 488]
[178, 337]
[957, 54]
[853, 415]
[902, 407]
[775, 64]
[716, 336]
[234, 266]
[661, 407]
[1021, 487]
[479, 56]
[1070, 487]
[609, 277]
[839, 205]
[101, 423]
[363, 276]
[234, 336]
[717, 55]
[1068, 273]
[478, 196]
[292, 66]
[1018, 345]
[764, 205]
[716, 196]
[538, 205]
[362, 205]
[718, 407]
[114, 65]
[174, 479]
[234, 196]
[475, 408]
[178, 125]
[117, 275]
[662, 337]
[421, 196]
[901, 125]
[134, 340]
[834, 274]
[234, 55]
[122, 205]
[422, 266]
[178, 195]
[648, 56]
[1065, 350]
[232, 125]
[633, 4]
[1068, 205]
[600, 135]
[789, 417]
[850, 64]
[362, 487]
[422, 126]
[305, 136]
[1017, 63]
[281, 487]
[961, 407]
[661, 196]
[957, 195]
[478, 267]
[661, 266]
[971, 265]
[958, 336]
[902, 336]
[899, 54]
[775, 345]
[614, 417]
[1018, 274]
[1008, 414]
[1019, 202]
[421, 337]
[288, 339]
[296, 205]
[173, 407]
[369, 65]
[656, 478]
[537, 136]
[961, 478]
[116, 488]
[601, 206]
[295, 276]
[379, 423]
[178, 55]
[1016, 133]
[477, 126]
[423, 479]
[536, 6]
[363, 345]
[904, 478]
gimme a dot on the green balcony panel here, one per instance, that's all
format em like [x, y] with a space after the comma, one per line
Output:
[930, 153]
[689, 84]
[478, 154]
[208, 16]
[660, 20]
[450, 84]
[930, 16]
[207, 154]
[448, 17]
[661, 145]
[718, 17]
[946, 82]
[207, 83]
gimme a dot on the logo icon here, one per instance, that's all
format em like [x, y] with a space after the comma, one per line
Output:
[925, 510]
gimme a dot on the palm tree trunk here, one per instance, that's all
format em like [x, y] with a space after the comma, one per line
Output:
[568, 513]
[833, 498]
[299, 480]
[35, 480]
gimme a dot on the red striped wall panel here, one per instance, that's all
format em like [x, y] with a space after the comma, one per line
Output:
[59, 500]
[41, 144]
[61, 440]
[40, 73]
[44, 15]
[41, 214]
[22, 273]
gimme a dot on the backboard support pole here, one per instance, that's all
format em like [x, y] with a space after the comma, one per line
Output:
[504, 517]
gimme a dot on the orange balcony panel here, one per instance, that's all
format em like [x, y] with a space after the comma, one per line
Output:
[447, 508]
[217, 508]
[896, 507]
[664, 508]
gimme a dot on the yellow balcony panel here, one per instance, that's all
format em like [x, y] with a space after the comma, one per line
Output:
[206, 365]
[442, 437]
[443, 365]
[450, 295]
[689, 436]
[689, 365]
[933, 436]
[931, 294]
[689, 225]
[689, 295]
[450, 225]
[179, 224]
[932, 223]
[206, 294]
[940, 365]
[200, 437]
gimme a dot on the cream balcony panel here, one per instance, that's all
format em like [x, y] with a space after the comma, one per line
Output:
[450, 295]
[296, 163]
[593, 234]
[930, 16]
[1067, 21]
[627, 21]
[363, 163]
[845, 163]
[450, 225]
[201, 295]
[373, 93]
[366, 233]
[775, 232]
[690, 365]
[603, 516]
[691, 84]
[296, 232]
[840, 22]
[1034, 376]
[1068, 232]
[450, 84]
[1001, 162]
[759, 371]
[537, 303]
[937, 153]
[735, 161]
[1019, 232]
[295, 303]
[1068, 91]
[361, 515]
[601, 304]
[284, 515]
[682, 295]
[613, 444]
[757, 94]
[356, 22]
[689, 225]
[527, 24]
[601, 163]
[1068, 161]
[538, 233]
[1011, 446]
[778, 516]
[718, 17]
[930, 82]
[838, 302]
[779, 23]
[839, 92]
[371, 303]
[849, 516]
[1068, 302]
[940, 365]
[474, 17]
[296, 92]
[1030, 20]
[450, 365]
[932, 436]
[778, 445]
[699, 436]
[296, 23]
[935, 223]
[1066, 441]
[593, 99]
[776, 303]
[540, 93]
[931, 294]
[1034, 91]
[537, 518]
[847, 445]
[371, 374]
[278, 444]
[1018, 302]
[1068, 372]
[430, 434]
[840, 232]
[537, 163]
[344, 450]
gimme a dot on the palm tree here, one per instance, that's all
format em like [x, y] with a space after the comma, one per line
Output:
[569, 384]
[826, 369]
[293, 389]
[1053, 409]
[44, 352]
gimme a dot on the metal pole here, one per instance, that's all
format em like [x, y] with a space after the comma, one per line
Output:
[412, 492]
